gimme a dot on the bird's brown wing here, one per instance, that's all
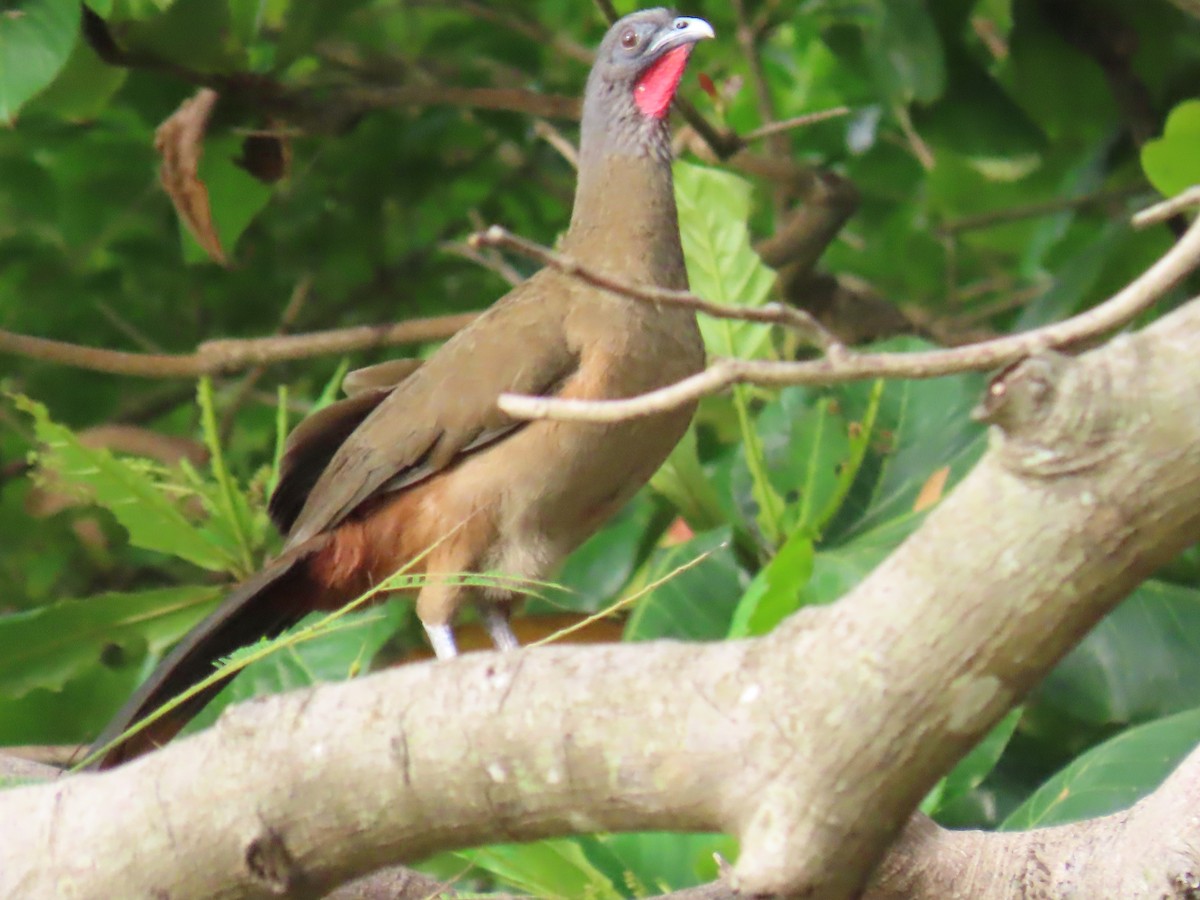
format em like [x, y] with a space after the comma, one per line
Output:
[313, 443]
[447, 407]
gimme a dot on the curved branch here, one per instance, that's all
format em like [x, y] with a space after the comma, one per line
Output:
[1116, 312]
[231, 355]
[769, 313]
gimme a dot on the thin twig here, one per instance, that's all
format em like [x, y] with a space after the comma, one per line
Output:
[1169, 208]
[796, 122]
[558, 141]
[492, 261]
[243, 390]
[769, 313]
[607, 10]
[916, 143]
[1045, 208]
[746, 39]
[232, 355]
[1119, 310]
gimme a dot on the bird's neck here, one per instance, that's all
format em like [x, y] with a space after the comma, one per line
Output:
[624, 220]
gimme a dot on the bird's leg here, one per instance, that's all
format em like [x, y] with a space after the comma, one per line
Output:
[495, 622]
[441, 638]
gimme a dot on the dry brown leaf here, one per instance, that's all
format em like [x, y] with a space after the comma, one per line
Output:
[180, 142]
[931, 490]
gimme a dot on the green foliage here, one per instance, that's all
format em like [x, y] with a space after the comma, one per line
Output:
[1171, 161]
[47, 647]
[153, 519]
[1112, 776]
[35, 43]
[773, 501]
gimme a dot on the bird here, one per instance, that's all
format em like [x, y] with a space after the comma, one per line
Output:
[419, 467]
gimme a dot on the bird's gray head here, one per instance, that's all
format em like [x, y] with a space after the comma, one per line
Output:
[633, 81]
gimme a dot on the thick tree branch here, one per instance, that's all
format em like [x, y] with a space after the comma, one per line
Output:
[812, 745]
[1147, 851]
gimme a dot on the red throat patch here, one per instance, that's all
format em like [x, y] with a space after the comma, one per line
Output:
[656, 88]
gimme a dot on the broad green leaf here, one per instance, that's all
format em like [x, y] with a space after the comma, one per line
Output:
[1142, 662]
[234, 195]
[47, 647]
[905, 51]
[341, 653]
[714, 207]
[231, 503]
[552, 868]
[723, 268]
[683, 482]
[977, 119]
[1061, 88]
[697, 603]
[83, 88]
[152, 519]
[198, 34]
[920, 428]
[649, 863]
[974, 767]
[35, 43]
[1171, 161]
[810, 454]
[775, 592]
[1112, 776]
[74, 712]
[595, 573]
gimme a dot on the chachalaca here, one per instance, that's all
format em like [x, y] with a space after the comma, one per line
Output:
[421, 457]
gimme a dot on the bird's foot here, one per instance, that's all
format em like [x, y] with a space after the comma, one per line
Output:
[441, 638]
[495, 622]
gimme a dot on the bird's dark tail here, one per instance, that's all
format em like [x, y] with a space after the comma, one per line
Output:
[267, 604]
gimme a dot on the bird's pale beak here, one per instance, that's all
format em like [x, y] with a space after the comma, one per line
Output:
[684, 30]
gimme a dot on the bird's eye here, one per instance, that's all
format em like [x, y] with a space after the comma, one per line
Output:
[629, 39]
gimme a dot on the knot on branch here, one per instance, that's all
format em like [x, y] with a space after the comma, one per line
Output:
[270, 863]
[1053, 414]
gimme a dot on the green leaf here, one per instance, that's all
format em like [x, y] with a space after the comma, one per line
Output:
[1142, 662]
[553, 868]
[335, 655]
[47, 647]
[83, 88]
[1112, 776]
[71, 714]
[905, 52]
[697, 603]
[920, 428]
[197, 34]
[714, 207]
[595, 573]
[1171, 161]
[650, 863]
[35, 43]
[775, 592]
[977, 119]
[682, 480]
[974, 767]
[232, 503]
[152, 519]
